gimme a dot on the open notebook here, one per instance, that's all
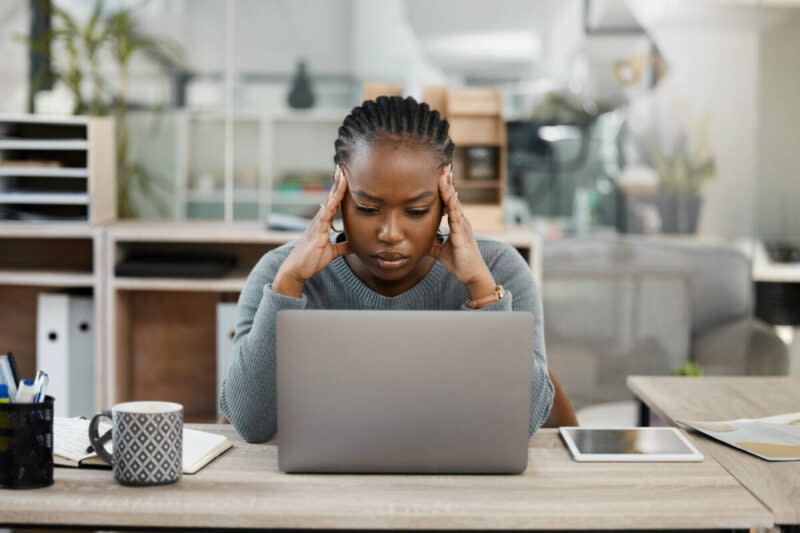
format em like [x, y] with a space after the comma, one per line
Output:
[71, 438]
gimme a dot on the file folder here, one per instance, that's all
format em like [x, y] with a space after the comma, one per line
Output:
[65, 350]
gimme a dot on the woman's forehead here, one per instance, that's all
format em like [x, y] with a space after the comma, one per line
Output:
[388, 162]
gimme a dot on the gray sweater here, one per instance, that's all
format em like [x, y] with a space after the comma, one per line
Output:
[248, 397]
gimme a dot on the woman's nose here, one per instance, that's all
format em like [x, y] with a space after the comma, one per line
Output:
[391, 231]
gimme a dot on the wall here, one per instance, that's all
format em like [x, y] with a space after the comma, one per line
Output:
[14, 66]
[777, 182]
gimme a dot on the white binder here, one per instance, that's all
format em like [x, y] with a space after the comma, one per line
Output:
[226, 328]
[65, 350]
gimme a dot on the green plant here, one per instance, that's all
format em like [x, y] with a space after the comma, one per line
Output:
[687, 369]
[116, 35]
[563, 108]
[688, 168]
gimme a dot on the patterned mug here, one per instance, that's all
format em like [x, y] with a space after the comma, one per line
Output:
[147, 442]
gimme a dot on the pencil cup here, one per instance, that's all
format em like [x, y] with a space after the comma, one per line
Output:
[26, 444]
[147, 441]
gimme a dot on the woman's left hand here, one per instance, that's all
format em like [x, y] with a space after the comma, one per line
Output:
[460, 253]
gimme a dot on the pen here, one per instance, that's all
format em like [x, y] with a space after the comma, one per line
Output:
[7, 377]
[40, 386]
[13, 364]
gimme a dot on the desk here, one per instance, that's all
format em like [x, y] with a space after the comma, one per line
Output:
[776, 484]
[244, 489]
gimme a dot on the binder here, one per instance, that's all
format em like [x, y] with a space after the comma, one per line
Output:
[65, 350]
[226, 328]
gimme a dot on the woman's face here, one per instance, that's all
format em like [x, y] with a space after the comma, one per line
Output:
[392, 207]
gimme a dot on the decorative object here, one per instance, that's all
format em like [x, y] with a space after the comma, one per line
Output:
[683, 173]
[301, 95]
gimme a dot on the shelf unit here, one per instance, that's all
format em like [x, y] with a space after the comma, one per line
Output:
[476, 121]
[57, 168]
[161, 340]
[267, 147]
[48, 257]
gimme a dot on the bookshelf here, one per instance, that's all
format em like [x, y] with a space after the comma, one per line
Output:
[282, 163]
[57, 168]
[48, 257]
[161, 341]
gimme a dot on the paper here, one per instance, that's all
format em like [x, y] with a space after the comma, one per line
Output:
[774, 438]
[71, 438]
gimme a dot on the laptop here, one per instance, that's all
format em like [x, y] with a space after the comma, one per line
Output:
[404, 391]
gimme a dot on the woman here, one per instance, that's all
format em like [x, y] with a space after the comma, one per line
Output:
[393, 181]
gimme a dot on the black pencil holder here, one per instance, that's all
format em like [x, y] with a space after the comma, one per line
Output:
[26, 444]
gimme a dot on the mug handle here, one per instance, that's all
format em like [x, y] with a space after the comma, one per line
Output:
[98, 442]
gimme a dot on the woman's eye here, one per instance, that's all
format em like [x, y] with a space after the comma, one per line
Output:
[418, 212]
[367, 210]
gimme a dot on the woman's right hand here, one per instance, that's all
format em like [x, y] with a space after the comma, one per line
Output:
[314, 250]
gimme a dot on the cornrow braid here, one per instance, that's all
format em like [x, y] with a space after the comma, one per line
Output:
[404, 119]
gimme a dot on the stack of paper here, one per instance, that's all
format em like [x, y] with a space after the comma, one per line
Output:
[774, 438]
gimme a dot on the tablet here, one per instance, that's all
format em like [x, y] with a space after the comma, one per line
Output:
[629, 444]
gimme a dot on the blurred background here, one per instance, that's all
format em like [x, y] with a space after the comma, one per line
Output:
[622, 116]
[652, 144]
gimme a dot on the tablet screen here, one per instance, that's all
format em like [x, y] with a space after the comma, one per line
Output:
[628, 441]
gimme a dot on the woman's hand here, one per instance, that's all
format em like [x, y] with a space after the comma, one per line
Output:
[314, 250]
[460, 253]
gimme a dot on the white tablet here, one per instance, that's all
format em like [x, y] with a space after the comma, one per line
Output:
[629, 444]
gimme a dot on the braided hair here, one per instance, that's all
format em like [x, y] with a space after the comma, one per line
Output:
[395, 119]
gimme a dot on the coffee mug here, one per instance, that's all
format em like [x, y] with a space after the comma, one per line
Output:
[147, 442]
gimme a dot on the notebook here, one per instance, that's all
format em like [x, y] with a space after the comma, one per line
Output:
[71, 439]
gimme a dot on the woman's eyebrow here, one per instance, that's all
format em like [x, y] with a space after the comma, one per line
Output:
[366, 196]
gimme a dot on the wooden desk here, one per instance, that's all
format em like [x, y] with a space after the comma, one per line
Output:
[776, 484]
[244, 489]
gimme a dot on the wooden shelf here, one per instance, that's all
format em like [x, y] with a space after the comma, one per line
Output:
[478, 184]
[54, 198]
[44, 172]
[283, 198]
[44, 144]
[19, 229]
[233, 283]
[199, 231]
[47, 278]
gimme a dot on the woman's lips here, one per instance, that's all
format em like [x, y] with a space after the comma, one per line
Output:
[391, 261]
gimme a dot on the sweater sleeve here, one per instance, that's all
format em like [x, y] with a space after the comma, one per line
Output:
[249, 396]
[512, 272]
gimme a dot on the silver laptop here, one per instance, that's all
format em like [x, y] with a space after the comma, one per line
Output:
[404, 391]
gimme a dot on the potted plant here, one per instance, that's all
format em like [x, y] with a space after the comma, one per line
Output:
[682, 175]
[113, 34]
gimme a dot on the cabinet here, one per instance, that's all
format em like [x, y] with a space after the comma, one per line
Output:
[161, 342]
[46, 257]
[57, 168]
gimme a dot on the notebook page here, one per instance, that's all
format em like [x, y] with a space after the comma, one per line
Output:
[200, 447]
[71, 437]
